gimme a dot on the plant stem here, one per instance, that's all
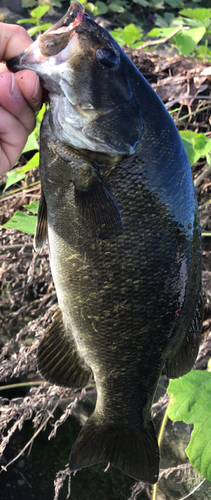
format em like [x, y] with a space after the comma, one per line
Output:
[22, 384]
[193, 113]
[160, 435]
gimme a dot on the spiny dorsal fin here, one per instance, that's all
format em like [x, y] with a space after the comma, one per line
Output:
[58, 360]
[41, 232]
[132, 450]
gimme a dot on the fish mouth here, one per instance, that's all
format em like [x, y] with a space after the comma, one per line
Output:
[80, 115]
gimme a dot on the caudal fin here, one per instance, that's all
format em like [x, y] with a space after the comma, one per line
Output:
[134, 451]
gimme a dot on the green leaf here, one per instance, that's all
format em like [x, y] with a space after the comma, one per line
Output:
[131, 34]
[41, 27]
[102, 7]
[191, 398]
[14, 176]
[174, 3]
[116, 6]
[40, 11]
[188, 138]
[32, 207]
[30, 20]
[144, 3]
[31, 143]
[202, 144]
[186, 40]
[34, 162]
[23, 222]
[162, 32]
[160, 21]
[208, 158]
[92, 8]
[200, 14]
[117, 34]
[27, 3]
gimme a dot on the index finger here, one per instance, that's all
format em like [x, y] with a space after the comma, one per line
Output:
[13, 40]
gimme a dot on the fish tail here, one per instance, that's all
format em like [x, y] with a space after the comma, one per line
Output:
[132, 450]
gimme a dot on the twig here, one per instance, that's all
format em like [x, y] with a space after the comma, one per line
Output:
[29, 188]
[193, 113]
[163, 40]
[193, 491]
[205, 172]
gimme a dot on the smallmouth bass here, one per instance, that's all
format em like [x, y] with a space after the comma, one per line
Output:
[119, 212]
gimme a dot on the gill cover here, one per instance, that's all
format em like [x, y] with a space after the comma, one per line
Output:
[92, 90]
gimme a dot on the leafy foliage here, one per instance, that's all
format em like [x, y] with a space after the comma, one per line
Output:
[190, 398]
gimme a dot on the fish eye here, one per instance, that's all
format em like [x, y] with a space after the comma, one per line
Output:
[107, 58]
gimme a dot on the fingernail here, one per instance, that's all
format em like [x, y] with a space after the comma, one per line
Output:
[36, 90]
[14, 90]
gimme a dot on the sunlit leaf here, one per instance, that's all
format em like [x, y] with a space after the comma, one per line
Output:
[32, 207]
[40, 11]
[31, 143]
[191, 403]
[41, 27]
[188, 137]
[34, 162]
[30, 20]
[200, 14]
[23, 222]
[12, 177]
[187, 40]
[202, 144]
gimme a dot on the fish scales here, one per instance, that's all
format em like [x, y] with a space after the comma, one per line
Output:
[119, 211]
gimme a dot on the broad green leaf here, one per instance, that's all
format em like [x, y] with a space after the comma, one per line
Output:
[200, 14]
[117, 34]
[41, 27]
[187, 40]
[14, 176]
[30, 20]
[34, 162]
[131, 34]
[31, 143]
[32, 207]
[102, 8]
[191, 402]
[162, 32]
[202, 144]
[188, 138]
[40, 11]
[23, 222]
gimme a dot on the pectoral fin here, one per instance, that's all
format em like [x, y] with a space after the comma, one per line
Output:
[41, 232]
[58, 359]
[99, 208]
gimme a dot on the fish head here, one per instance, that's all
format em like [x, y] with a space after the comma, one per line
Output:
[92, 84]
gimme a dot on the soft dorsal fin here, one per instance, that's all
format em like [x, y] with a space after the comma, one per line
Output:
[41, 232]
[58, 359]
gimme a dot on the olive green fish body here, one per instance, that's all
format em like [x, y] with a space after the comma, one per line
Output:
[119, 212]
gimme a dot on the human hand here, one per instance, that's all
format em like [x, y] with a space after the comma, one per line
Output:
[20, 97]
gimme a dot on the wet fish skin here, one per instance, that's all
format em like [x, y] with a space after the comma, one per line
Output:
[126, 262]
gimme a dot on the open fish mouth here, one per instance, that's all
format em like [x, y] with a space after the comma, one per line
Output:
[79, 63]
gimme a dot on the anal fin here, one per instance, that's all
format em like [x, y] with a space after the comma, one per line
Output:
[132, 450]
[41, 232]
[58, 359]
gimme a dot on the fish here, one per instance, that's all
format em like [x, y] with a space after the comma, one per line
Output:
[119, 212]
